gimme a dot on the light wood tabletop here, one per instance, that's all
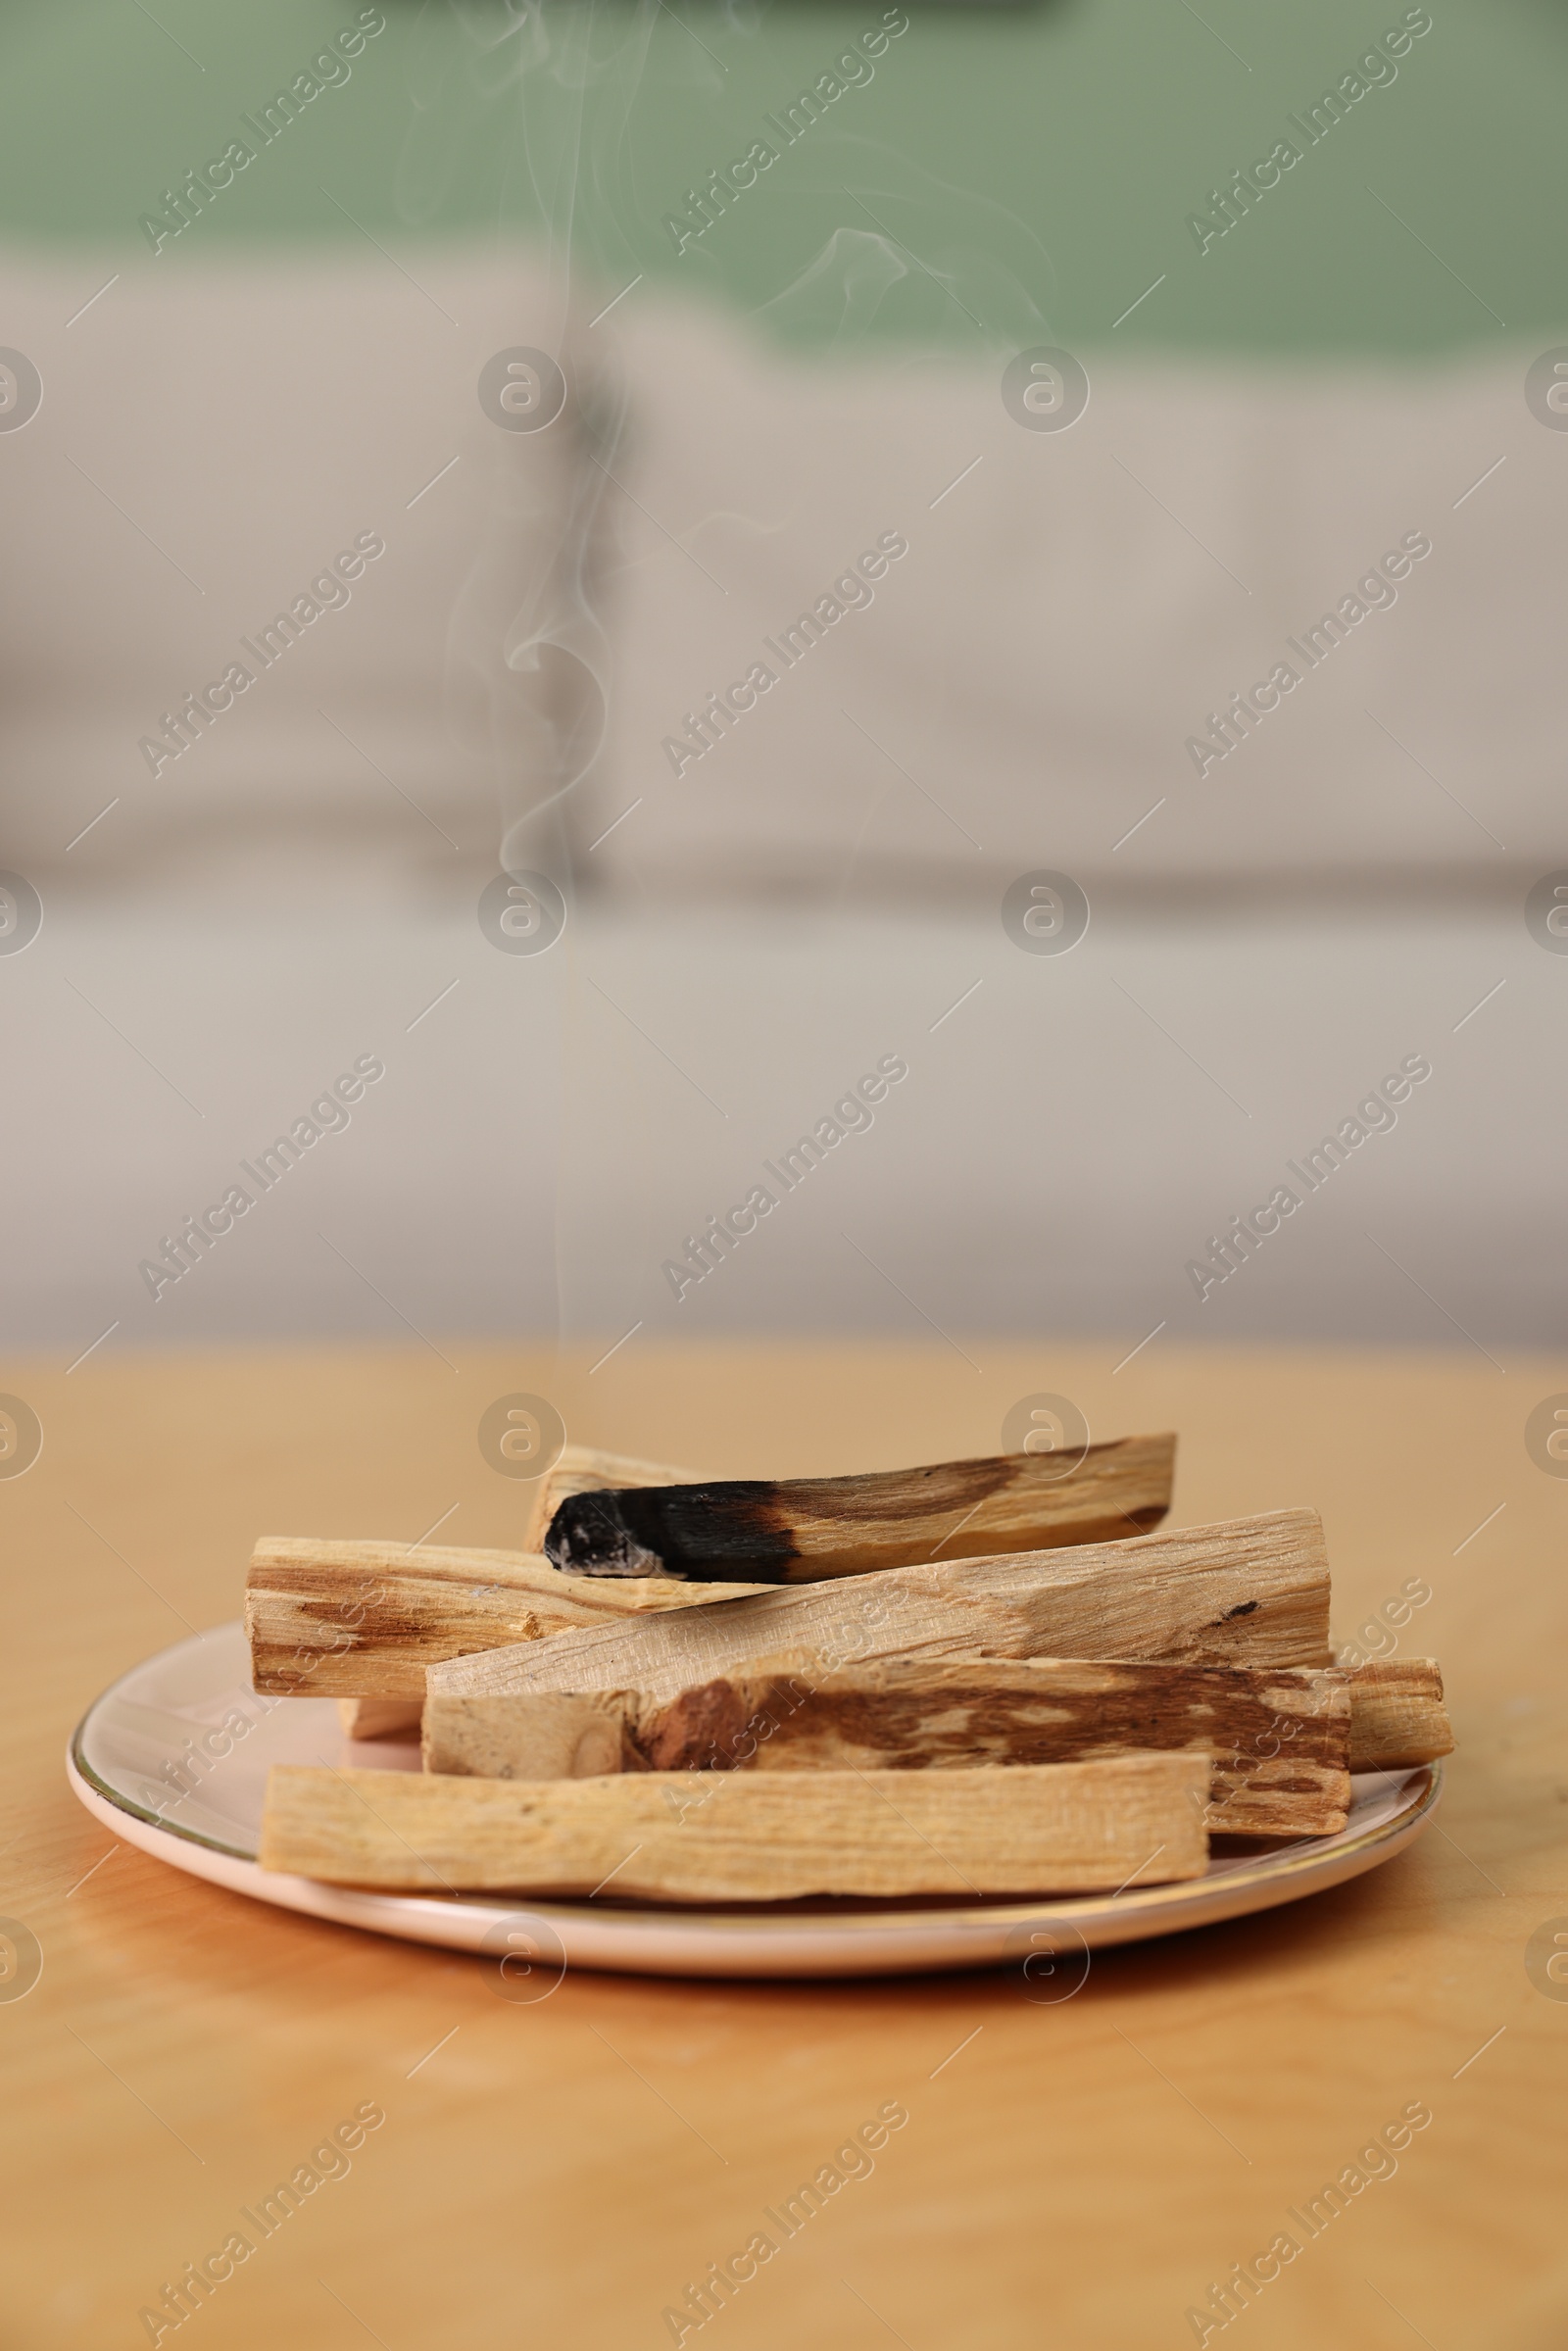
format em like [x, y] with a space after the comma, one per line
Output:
[1073, 2174]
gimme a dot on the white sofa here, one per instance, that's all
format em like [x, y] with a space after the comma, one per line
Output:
[1267, 939]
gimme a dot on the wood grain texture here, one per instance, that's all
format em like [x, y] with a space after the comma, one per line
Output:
[1250, 1591]
[1277, 1737]
[364, 1619]
[722, 1837]
[807, 1529]
[1397, 1714]
[583, 1469]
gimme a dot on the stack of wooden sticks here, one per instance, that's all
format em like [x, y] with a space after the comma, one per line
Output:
[699, 1691]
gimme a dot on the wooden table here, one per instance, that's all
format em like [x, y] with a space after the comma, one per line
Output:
[1073, 2174]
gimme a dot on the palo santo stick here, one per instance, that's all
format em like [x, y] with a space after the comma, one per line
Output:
[746, 1836]
[1277, 1737]
[580, 1469]
[809, 1527]
[1247, 1592]
[380, 1630]
[364, 1619]
[1397, 1714]
[379, 1718]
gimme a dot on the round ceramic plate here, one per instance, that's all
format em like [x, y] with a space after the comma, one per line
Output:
[175, 1756]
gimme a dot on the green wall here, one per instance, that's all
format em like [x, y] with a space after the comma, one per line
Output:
[1040, 161]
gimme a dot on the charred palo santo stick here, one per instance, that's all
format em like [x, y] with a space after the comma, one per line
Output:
[807, 1529]
[1397, 1714]
[1277, 1737]
[364, 1619]
[1247, 1592]
[580, 1470]
[746, 1835]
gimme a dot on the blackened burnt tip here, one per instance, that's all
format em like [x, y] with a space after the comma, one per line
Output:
[588, 1535]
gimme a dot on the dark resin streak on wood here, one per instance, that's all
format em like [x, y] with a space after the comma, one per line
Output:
[725, 1724]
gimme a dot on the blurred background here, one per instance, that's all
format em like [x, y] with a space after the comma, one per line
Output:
[1137, 339]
